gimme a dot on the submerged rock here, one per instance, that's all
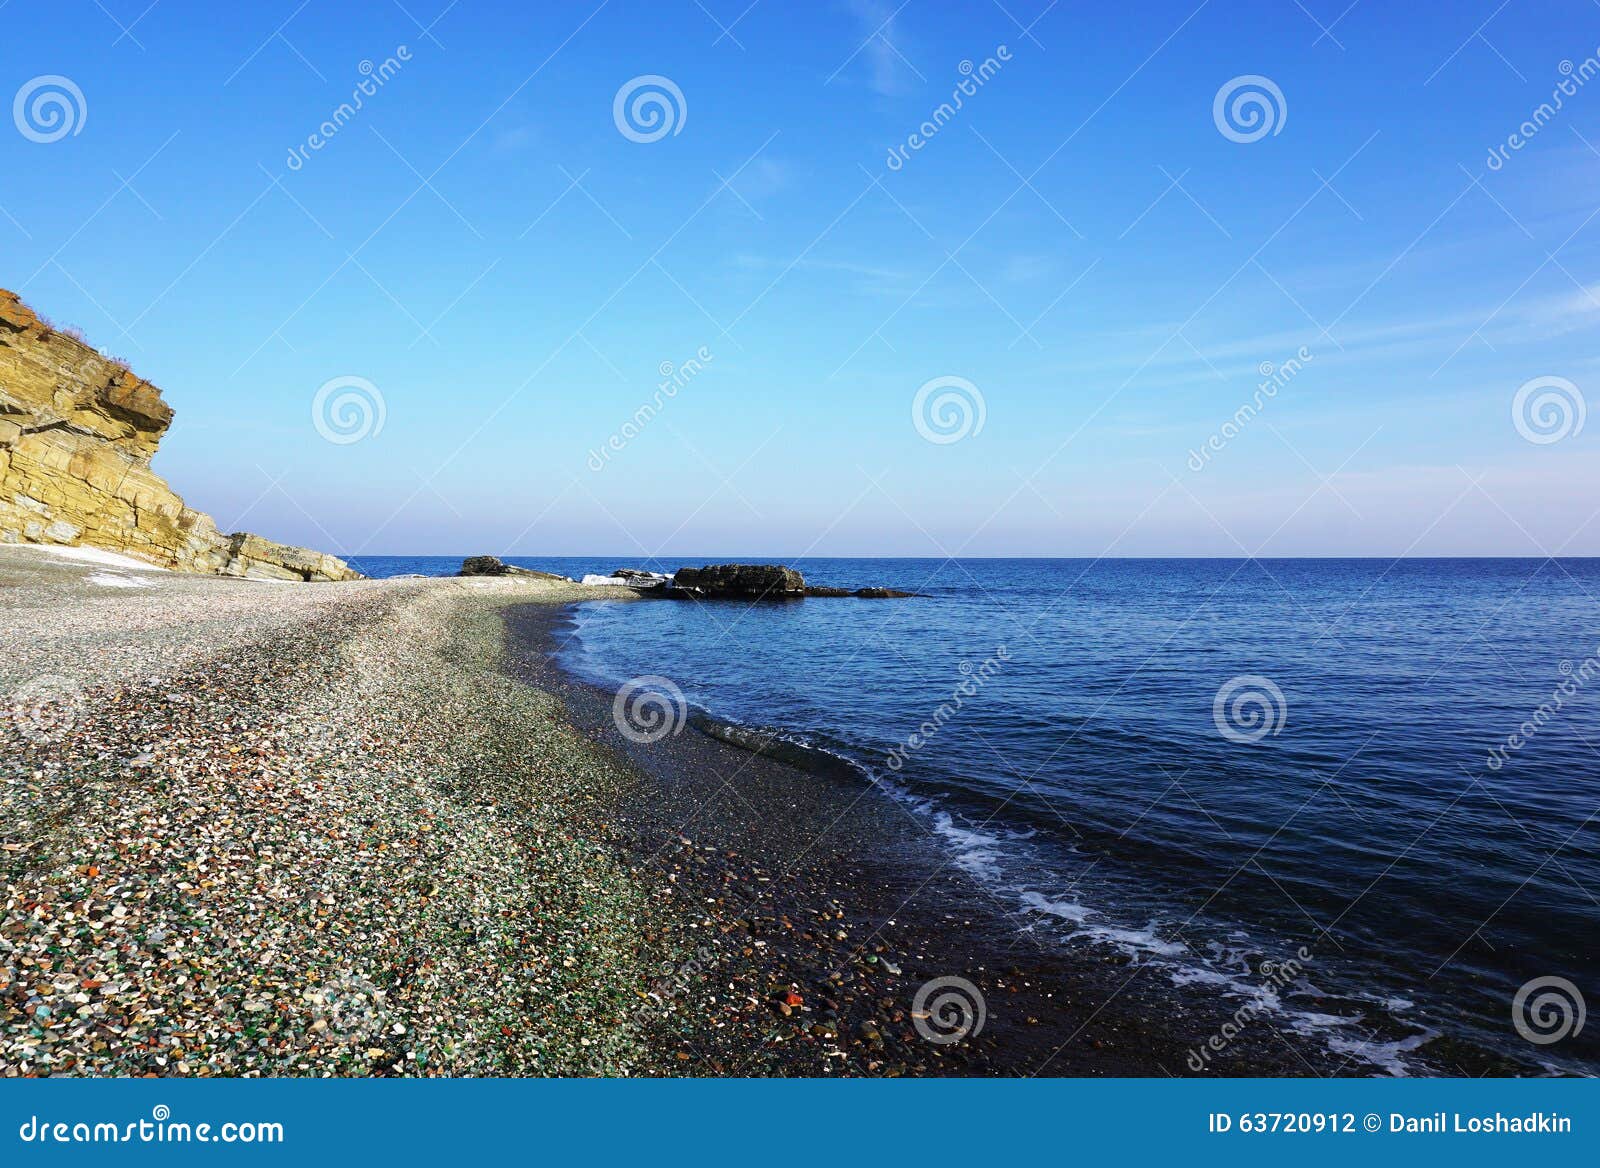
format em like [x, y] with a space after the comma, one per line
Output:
[859, 593]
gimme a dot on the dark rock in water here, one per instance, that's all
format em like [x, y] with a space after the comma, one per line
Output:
[749, 582]
[495, 566]
[799, 755]
[739, 581]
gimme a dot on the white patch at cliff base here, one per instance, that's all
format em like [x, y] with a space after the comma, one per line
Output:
[89, 555]
[113, 580]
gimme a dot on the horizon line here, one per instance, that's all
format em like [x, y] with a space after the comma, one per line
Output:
[752, 556]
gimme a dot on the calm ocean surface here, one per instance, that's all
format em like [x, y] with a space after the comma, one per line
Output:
[1339, 799]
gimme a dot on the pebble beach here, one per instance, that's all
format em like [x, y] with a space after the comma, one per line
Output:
[253, 829]
[372, 829]
[360, 829]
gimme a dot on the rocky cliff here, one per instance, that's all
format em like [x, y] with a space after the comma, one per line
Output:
[77, 432]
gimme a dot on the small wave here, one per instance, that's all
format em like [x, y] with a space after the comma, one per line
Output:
[1134, 941]
[1388, 1055]
[1226, 969]
[1229, 971]
[1065, 909]
[998, 856]
[975, 852]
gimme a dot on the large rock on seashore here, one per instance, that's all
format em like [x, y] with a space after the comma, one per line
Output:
[255, 558]
[77, 432]
[495, 566]
[739, 582]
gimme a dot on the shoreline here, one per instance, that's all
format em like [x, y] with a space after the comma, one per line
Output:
[268, 825]
[1050, 1010]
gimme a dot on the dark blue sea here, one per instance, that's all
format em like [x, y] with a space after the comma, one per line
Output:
[1386, 772]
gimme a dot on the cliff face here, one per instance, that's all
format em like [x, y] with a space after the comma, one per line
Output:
[77, 432]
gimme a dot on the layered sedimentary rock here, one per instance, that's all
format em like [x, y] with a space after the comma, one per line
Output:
[77, 432]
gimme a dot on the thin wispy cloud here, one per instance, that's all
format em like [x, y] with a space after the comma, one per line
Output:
[888, 66]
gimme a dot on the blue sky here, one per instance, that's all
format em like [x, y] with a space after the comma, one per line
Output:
[1081, 243]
